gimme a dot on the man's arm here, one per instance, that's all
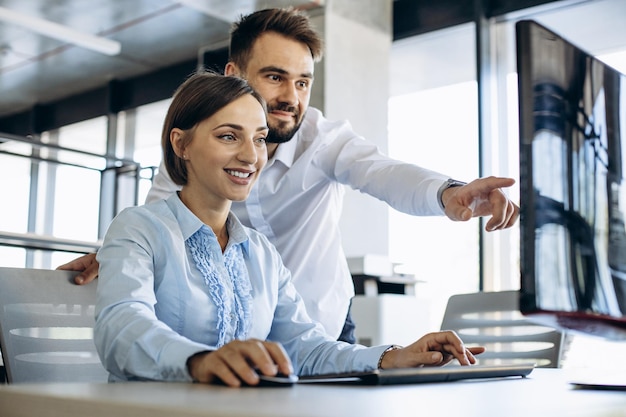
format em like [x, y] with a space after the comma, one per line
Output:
[413, 189]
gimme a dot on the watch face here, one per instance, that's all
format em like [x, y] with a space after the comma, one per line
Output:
[456, 183]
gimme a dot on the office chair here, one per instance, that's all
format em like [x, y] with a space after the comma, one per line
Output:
[493, 320]
[46, 327]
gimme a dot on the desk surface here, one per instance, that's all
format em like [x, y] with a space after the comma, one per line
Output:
[544, 392]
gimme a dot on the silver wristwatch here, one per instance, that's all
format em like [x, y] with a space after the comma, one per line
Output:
[448, 184]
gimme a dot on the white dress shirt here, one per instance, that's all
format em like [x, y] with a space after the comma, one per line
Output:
[298, 199]
[155, 307]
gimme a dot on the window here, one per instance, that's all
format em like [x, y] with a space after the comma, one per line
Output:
[144, 124]
[54, 192]
[59, 187]
[433, 122]
[73, 192]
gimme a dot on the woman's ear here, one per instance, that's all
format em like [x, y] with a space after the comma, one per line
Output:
[176, 140]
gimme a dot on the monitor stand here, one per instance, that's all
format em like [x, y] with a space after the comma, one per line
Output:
[595, 361]
[604, 383]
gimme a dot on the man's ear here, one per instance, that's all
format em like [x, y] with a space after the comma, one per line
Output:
[232, 69]
[176, 140]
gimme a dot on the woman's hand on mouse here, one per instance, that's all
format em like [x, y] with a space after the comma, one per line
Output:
[238, 362]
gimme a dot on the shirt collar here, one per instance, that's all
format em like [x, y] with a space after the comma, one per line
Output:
[286, 152]
[238, 234]
[189, 223]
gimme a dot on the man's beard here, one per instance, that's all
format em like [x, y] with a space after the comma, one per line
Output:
[280, 133]
[277, 135]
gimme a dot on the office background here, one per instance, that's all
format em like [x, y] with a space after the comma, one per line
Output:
[430, 82]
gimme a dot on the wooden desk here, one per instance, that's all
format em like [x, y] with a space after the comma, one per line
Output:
[545, 392]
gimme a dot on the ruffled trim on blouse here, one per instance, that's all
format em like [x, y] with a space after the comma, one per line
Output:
[231, 294]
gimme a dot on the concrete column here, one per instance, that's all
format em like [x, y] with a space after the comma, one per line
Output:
[352, 83]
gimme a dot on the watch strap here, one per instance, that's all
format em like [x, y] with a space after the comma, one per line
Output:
[448, 184]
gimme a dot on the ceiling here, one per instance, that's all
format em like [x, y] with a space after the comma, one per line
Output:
[46, 83]
[153, 34]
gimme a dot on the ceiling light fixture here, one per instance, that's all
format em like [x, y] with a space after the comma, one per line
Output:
[62, 33]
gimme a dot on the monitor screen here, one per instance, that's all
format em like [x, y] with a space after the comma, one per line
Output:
[572, 110]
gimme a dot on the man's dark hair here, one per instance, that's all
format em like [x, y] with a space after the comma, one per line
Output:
[288, 22]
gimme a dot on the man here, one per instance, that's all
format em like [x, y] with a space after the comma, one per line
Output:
[298, 199]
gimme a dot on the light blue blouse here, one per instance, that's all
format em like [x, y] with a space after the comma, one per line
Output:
[163, 298]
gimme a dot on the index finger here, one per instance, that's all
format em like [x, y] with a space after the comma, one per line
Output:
[280, 360]
[492, 183]
[452, 344]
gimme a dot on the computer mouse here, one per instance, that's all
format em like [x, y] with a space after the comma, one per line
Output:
[278, 380]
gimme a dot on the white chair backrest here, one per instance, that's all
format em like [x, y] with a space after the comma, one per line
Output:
[46, 327]
[493, 320]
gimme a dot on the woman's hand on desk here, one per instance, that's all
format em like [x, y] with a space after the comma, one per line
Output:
[433, 349]
[238, 362]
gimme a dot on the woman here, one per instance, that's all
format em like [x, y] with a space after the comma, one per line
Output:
[188, 293]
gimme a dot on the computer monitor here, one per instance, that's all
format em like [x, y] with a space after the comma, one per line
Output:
[572, 110]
